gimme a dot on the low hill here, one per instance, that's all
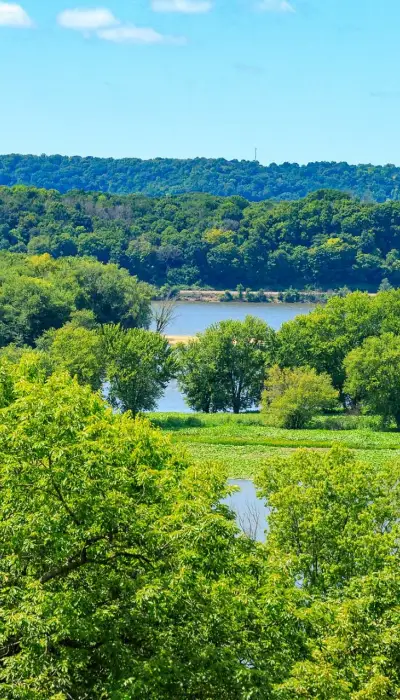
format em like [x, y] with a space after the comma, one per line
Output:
[168, 176]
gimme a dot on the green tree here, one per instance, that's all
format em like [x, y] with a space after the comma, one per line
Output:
[292, 397]
[79, 351]
[113, 295]
[30, 306]
[140, 364]
[334, 525]
[332, 517]
[224, 367]
[373, 375]
[121, 574]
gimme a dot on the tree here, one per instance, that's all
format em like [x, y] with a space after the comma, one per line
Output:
[332, 518]
[121, 573]
[292, 397]
[334, 524]
[139, 366]
[113, 295]
[164, 313]
[30, 306]
[373, 375]
[79, 351]
[224, 367]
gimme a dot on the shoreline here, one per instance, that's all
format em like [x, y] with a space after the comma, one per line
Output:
[214, 296]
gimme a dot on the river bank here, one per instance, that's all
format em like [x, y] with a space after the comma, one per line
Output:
[215, 296]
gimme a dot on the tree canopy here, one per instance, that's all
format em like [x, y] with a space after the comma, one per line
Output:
[224, 367]
[168, 176]
[38, 293]
[325, 240]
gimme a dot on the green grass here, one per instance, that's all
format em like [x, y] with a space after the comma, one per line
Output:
[243, 443]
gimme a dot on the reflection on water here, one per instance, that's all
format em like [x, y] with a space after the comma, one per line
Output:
[251, 512]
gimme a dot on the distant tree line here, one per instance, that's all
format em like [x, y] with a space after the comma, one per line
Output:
[217, 176]
[326, 240]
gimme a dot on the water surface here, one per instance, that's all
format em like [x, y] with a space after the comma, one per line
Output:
[194, 317]
[251, 511]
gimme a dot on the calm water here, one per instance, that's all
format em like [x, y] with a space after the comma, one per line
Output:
[195, 317]
[251, 512]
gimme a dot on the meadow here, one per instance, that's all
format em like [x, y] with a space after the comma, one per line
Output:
[244, 442]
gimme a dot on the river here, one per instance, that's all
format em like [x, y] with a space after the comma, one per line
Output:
[195, 317]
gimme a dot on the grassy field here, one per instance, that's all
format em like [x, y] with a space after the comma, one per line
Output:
[244, 442]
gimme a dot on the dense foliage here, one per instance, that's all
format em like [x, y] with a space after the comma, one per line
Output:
[39, 293]
[122, 575]
[325, 240]
[373, 375]
[292, 397]
[214, 176]
[223, 369]
[323, 338]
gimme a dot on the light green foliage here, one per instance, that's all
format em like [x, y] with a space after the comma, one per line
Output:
[334, 525]
[79, 351]
[332, 517]
[140, 364]
[121, 575]
[324, 338]
[292, 397]
[224, 367]
[373, 375]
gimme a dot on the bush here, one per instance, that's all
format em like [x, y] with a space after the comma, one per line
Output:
[293, 396]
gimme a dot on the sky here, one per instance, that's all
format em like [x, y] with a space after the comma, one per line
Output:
[301, 80]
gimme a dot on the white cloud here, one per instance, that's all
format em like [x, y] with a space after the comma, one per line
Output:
[137, 35]
[86, 20]
[276, 6]
[102, 23]
[185, 6]
[12, 15]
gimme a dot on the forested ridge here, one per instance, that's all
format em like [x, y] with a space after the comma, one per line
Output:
[216, 176]
[326, 240]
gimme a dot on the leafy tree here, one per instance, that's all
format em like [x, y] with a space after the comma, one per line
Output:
[332, 517]
[292, 397]
[224, 367]
[122, 575]
[373, 375]
[28, 307]
[77, 350]
[334, 524]
[324, 338]
[113, 295]
[140, 364]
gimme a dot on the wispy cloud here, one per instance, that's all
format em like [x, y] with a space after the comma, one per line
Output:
[189, 7]
[101, 22]
[87, 20]
[276, 6]
[129, 34]
[12, 15]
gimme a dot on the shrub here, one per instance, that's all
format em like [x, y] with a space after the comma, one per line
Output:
[293, 396]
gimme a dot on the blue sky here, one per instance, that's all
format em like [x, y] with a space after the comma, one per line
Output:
[302, 80]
